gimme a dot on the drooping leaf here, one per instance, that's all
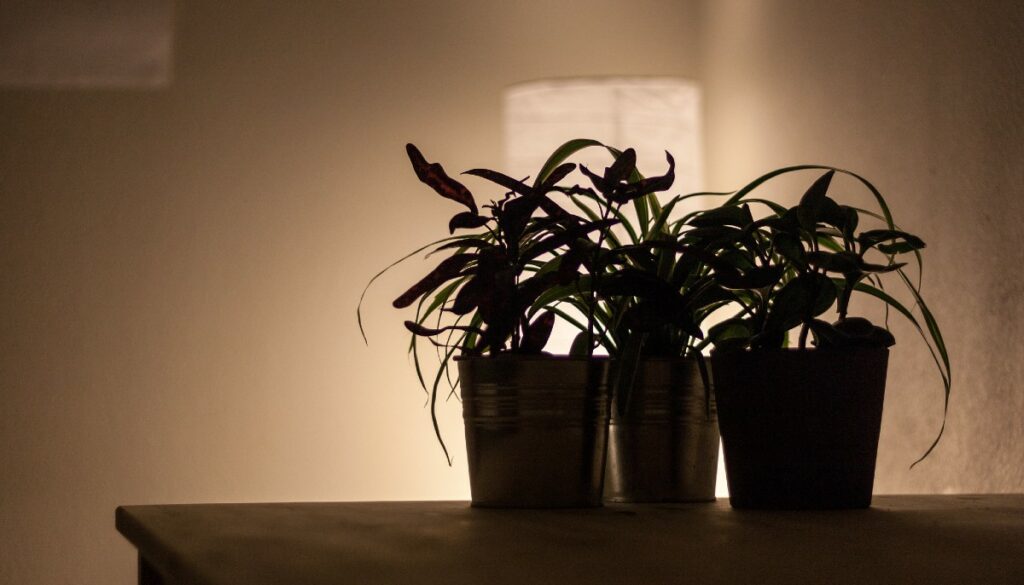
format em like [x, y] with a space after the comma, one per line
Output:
[843, 262]
[815, 195]
[564, 238]
[434, 176]
[881, 267]
[899, 247]
[738, 216]
[850, 222]
[422, 331]
[515, 215]
[789, 247]
[801, 299]
[560, 154]
[538, 333]
[901, 241]
[580, 344]
[731, 334]
[514, 185]
[466, 219]
[599, 183]
[463, 243]
[827, 336]
[754, 278]
[468, 297]
[863, 333]
[632, 191]
[449, 268]
[559, 173]
[621, 169]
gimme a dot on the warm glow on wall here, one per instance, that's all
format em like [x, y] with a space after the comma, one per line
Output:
[649, 114]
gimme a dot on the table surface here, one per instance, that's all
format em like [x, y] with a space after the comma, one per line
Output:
[900, 539]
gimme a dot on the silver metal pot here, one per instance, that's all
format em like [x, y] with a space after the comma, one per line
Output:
[663, 443]
[536, 430]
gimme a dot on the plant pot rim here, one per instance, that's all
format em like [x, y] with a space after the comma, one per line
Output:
[532, 357]
[667, 359]
[804, 351]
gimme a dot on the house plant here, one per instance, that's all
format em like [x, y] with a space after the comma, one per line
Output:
[800, 425]
[535, 424]
[643, 302]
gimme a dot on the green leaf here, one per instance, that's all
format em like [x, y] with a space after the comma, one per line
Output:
[538, 333]
[790, 247]
[617, 214]
[940, 345]
[843, 262]
[448, 269]
[732, 215]
[359, 306]
[580, 347]
[749, 187]
[753, 278]
[731, 334]
[800, 300]
[815, 196]
[560, 154]
[901, 241]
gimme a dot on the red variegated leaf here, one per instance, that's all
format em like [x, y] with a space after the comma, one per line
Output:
[446, 270]
[466, 219]
[557, 175]
[422, 331]
[468, 297]
[503, 180]
[631, 191]
[552, 243]
[434, 176]
[622, 168]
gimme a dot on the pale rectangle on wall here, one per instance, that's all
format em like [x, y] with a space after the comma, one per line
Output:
[86, 44]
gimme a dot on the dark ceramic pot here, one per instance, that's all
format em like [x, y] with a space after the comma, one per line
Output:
[536, 430]
[800, 427]
[663, 440]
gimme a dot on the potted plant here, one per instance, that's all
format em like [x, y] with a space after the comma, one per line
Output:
[535, 424]
[800, 425]
[643, 301]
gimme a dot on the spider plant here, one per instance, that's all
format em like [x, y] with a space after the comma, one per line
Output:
[643, 296]
[786, 270]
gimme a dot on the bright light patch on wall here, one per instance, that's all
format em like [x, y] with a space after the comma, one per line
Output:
[651, 115]
[86, 43]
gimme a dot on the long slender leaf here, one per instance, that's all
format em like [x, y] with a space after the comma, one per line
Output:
[560, 154]
[359, 306]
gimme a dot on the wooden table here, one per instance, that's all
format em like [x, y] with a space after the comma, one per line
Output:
[901, 539]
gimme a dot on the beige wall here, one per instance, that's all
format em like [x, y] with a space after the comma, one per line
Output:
[924, 98]
[180, 268]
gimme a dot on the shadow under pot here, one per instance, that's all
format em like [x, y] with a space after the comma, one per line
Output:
[663, 438]
[800, 427]
[536, 430]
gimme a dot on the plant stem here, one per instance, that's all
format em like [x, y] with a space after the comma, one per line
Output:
[595, 280]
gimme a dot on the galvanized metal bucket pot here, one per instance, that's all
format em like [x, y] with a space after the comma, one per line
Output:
[663, 441]
[536, 430]
[800, 427]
